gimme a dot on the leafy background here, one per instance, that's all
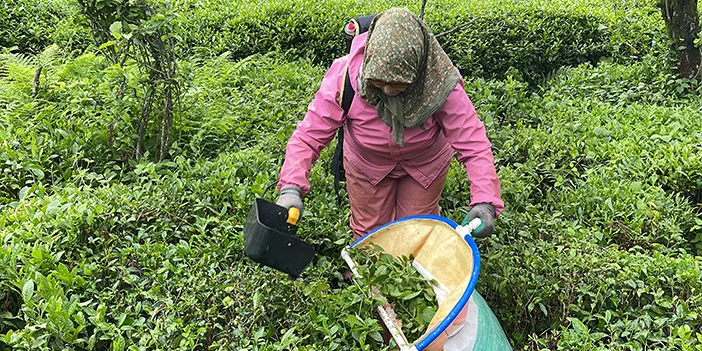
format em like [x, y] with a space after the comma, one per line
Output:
[597, 146]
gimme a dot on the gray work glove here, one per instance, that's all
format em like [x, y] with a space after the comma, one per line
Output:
[487, 213]
[290, 196]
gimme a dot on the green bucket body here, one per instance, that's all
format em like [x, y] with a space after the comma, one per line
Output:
[482, 331]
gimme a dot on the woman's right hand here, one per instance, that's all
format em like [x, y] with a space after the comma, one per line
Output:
[290, 196]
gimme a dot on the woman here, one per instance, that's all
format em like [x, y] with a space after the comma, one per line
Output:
[409, 116]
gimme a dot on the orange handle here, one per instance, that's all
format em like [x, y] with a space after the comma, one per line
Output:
[293, 215]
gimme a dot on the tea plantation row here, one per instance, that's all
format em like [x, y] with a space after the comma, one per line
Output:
[597, 249]
[484, 39]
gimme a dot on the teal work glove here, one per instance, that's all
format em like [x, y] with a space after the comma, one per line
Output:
[290, 196]
[486, 212]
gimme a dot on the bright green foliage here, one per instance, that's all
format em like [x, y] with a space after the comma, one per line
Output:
[598, 248]
[535, 37]
[31, 25]
[600, 229]
[236, 105]
[486, 38]
[409, 294]
[159, 263]
[45, 139]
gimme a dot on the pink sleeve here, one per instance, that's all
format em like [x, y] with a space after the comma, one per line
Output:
[467, 135]
[315, 132]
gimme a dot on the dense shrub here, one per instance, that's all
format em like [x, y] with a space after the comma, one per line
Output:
[531, 36]
[484, 40]
[564, 292]
[236, 105]
[598, 248]
[31, 25]
[64, 128]
[159, 263]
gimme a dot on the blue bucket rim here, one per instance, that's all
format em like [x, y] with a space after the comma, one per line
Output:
[427, 340]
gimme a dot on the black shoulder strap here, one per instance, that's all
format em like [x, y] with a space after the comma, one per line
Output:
[355, 27]
[347, 95]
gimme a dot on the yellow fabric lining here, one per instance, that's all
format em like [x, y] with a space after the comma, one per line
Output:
[438, 248]
[343, 86]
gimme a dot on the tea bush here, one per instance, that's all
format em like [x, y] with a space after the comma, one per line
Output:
[602, 210]
[598, 247]
[32, 25]
[484, 39]
[570, 293]
[535, 37]
[159, 264]
[239, 104]
[584, 140]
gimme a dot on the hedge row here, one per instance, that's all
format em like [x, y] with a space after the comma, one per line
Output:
[599, 245]
[75, 262]
[31, 25]
[535, 37]
[631, 167]
[553, 288]
[485, 39]
[102, 265]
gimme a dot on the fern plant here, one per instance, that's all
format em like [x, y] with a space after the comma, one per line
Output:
[44, 62]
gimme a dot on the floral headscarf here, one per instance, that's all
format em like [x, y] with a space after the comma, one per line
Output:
[401, 49]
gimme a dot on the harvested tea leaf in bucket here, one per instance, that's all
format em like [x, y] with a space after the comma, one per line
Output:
[409, 294]
[427, 261]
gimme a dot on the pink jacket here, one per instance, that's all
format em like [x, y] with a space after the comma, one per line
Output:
[368, 144]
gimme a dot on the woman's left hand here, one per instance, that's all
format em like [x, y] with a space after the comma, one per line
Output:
[486, 212]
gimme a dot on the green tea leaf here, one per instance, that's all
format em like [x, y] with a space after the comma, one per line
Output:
[28, 290]
[427, 314]
[578, 326]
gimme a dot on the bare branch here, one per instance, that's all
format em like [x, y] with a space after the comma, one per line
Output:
[421, 12]
[456, 28]
[35, 86]
[166, 122]
[145, 111]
